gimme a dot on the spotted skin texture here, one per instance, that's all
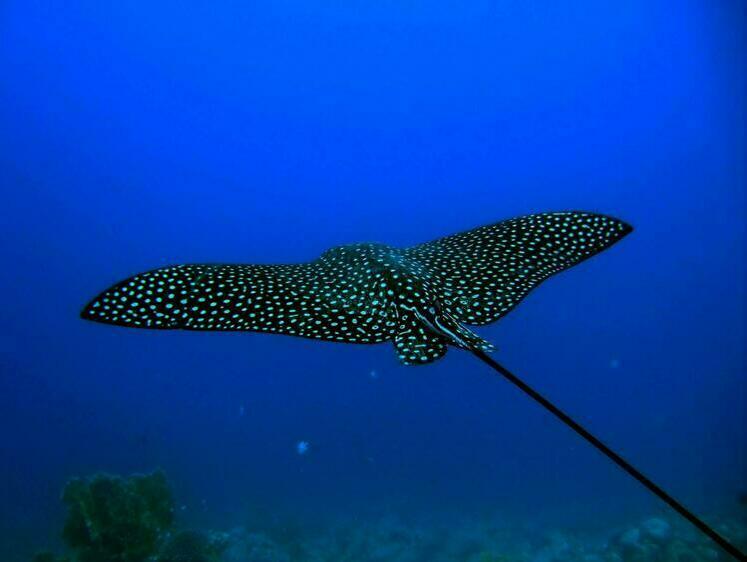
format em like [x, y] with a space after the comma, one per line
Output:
[483, 273]
[420, 298]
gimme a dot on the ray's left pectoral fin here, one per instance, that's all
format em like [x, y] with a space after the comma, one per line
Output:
[416, 345]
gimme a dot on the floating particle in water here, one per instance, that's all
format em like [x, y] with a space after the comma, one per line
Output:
[302, 447]
[373, 374]
[242, 411]
[614, 363]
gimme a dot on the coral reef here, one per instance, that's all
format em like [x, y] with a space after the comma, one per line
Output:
[244, 546]
[653, 539]
[131, 519]
[117, 519]
[46, 556]
[193, 546]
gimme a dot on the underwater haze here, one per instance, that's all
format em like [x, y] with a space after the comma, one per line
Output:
[137, 135]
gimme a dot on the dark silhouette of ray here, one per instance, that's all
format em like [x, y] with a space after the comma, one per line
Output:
[420, 298]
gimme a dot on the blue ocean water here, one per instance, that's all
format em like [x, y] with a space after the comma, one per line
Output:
[137, 135]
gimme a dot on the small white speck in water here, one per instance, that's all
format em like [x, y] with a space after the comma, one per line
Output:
[302, 447]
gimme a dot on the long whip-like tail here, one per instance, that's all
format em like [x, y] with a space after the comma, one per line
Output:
[612, 455]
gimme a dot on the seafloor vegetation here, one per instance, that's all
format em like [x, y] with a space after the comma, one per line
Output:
[131, 519]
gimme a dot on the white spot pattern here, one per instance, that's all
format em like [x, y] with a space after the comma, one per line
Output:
[480, 275]
[368, 293]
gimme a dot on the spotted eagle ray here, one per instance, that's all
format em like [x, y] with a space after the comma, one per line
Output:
[421, 298]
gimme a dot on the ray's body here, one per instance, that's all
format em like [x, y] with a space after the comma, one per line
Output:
[421, 298]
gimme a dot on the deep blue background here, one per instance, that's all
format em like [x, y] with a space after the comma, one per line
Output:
[145, 134]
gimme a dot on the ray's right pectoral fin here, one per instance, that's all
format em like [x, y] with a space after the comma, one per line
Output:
[417, 346]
